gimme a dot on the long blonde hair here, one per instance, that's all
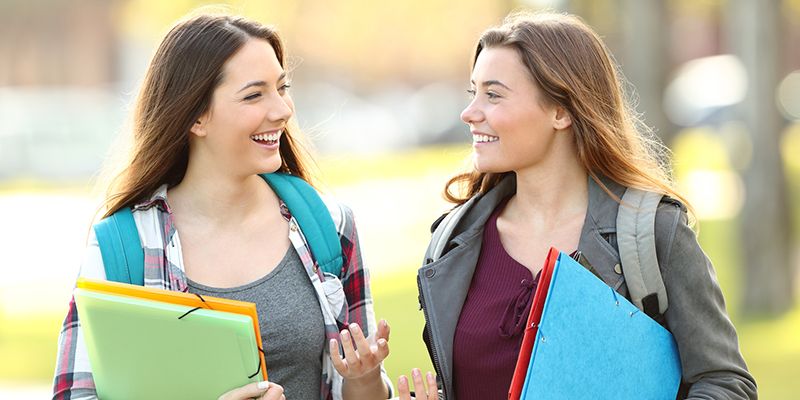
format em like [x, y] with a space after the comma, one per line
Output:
[177, 89]
[574, 69]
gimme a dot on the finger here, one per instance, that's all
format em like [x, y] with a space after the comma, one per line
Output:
[255, 389]
[403, 391]
[419, 386]
[275, 392]
[383, 350]
[383, 330]
[362, 345]
[340, 365]
[433, 390]
[349, 352]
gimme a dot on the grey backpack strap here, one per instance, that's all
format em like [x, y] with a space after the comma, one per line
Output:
[443, 232]
[637, 250]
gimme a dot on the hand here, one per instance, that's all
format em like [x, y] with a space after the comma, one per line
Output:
[432, 393]
[260, 390]
[367, 355]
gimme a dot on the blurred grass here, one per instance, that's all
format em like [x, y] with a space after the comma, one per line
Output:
[28, 347]
[771, 346]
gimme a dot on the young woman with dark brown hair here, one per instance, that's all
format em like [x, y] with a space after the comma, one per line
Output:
[213, 113]
[555, 146]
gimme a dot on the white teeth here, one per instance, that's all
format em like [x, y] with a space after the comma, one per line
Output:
[484, 138]
[273, 137]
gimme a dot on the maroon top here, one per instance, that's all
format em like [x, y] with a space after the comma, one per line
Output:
[489, 332]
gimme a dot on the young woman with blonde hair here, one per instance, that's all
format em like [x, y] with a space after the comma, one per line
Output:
[555, 146]
[214, 112]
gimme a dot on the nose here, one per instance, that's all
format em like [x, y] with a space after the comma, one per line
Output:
[472, 113]
[280, 108]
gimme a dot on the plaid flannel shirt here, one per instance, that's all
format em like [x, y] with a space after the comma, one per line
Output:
[342, 301]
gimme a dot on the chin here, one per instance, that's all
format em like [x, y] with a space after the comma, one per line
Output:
[272, 165]
[489, 167]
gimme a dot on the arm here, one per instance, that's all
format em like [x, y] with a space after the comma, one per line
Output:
[373, 384]
[709, 350]
[73, 374]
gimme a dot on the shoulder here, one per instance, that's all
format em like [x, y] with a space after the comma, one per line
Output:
[92, 264]
[341, 214]
[672, 229]
[669, 214]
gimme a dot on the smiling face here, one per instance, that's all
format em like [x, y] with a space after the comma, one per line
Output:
[249, 110]
[512, 126]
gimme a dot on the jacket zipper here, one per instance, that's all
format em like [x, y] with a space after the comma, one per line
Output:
[436, 365]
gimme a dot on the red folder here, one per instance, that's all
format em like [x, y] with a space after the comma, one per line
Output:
[524, 359]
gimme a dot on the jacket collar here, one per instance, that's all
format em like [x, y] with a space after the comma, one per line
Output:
[482, 206]
[599, 224]
[601, 213]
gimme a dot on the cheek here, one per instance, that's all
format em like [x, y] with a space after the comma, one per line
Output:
[512, 126]
[524, 135]
[248, 117]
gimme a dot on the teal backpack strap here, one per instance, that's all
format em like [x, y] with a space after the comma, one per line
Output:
[313, 217]
[636, 242]
[120, 247]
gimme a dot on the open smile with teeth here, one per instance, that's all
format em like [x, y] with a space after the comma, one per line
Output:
[271, 138]
[484, 138]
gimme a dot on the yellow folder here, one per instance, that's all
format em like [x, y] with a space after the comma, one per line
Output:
[153, 343]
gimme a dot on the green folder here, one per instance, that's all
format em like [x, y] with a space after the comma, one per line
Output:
[140, 349]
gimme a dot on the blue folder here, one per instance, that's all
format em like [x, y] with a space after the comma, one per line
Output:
[592, 343]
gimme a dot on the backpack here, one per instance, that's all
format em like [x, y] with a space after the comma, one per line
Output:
[635, 241]
[123, 255]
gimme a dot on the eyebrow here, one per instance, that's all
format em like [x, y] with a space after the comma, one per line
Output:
[493, 82]
[260, 83]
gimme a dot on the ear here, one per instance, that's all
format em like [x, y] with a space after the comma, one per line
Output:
[199, 127]
[561, 120]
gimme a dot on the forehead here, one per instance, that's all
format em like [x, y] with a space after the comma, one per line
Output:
[499, 63]
[256, 60]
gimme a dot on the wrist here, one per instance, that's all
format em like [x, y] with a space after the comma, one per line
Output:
[370, 383]
[370, 377]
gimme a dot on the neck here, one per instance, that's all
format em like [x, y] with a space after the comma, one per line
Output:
[554, 189]
[215, 195]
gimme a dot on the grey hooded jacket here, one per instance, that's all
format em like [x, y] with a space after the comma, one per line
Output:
[713, 367]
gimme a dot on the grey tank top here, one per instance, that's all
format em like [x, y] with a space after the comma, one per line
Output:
[292, 328]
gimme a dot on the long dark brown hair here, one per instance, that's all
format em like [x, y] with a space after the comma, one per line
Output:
[573, 68]
[176, 91]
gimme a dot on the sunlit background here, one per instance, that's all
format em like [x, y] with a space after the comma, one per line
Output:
[378, 87]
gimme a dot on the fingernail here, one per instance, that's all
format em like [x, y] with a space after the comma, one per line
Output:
[430, 375]
[263, 385]
[403, 380]
[416, 372]
[353, 325]
[382, 342]
[345, 333]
